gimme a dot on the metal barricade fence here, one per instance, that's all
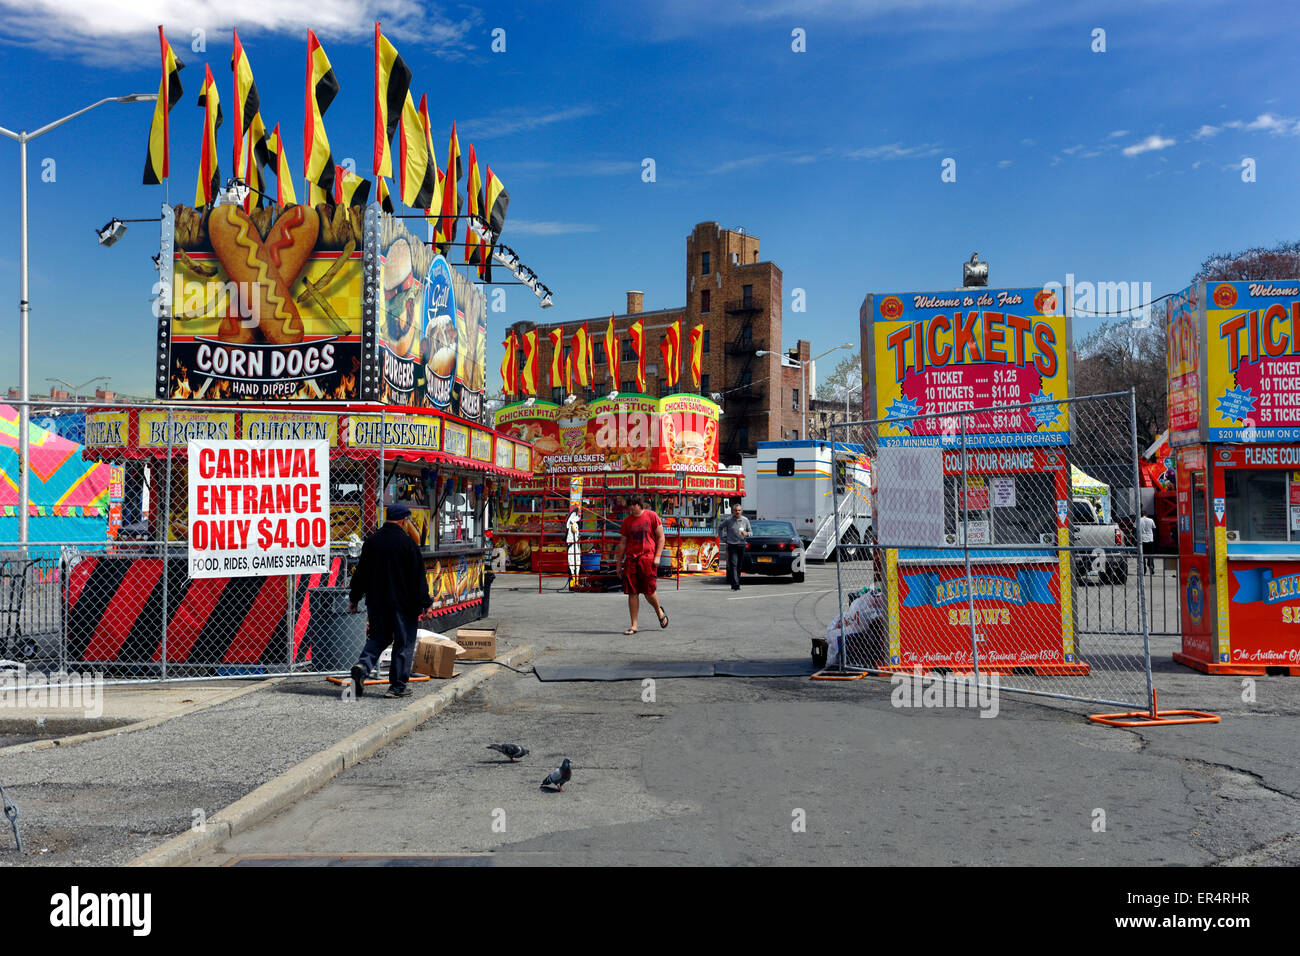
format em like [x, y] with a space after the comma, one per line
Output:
[1006, 551]
[75, 601]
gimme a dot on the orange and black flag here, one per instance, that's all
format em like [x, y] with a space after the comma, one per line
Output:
[636, 332]
[209, 169]
[322, 87]
[557, 357]
[385, 200]
[284, 194]
[611, 350]
[529, 369]
[349, 188]
[246, 119]
[473, 207]
[419, 165]
[156, 160]
[697, 355]
[495, 202]
[392, 93]
[450, 194]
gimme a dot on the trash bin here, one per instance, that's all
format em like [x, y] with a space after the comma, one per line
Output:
[336, 636]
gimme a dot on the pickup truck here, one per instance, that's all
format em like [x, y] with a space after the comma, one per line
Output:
[1088, 530]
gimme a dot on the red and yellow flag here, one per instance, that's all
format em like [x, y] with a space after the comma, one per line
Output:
[385, 200]
[611, 351]
[209, 170]
[247, 120]
[672, 348]
[697, 355]
[510, 366]
[322, 87]
[349, 188]
[636, 332]
[529, 371]
[156, 160]
[581, 352]
[558, 365]
[450, 194]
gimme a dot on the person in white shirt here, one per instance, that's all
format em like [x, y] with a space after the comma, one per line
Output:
[572, 537]
[1147, 529]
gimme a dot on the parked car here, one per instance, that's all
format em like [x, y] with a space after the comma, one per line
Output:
[1110, 566]
[773, 548]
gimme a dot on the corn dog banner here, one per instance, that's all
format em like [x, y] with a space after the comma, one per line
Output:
[625, 434]
[324, 303]
[258, 508]
[966, 350]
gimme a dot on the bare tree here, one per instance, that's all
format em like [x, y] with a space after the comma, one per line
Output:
[1281, 261]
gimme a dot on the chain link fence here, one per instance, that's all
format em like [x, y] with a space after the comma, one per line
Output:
[102, 586]
[1004, 554]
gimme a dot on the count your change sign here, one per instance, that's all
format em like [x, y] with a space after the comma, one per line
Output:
[258, 507]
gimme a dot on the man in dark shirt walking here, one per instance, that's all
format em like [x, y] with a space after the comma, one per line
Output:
[733, 531]
[390, 576]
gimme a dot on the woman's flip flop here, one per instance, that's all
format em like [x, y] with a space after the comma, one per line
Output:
[663, 617]
[630, 630]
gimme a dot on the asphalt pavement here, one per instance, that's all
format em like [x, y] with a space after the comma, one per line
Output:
[787, 770]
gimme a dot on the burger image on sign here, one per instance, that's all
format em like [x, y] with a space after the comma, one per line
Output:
[440, 337]
[401, 300]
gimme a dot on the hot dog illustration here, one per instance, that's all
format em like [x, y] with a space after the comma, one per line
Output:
[264, 271]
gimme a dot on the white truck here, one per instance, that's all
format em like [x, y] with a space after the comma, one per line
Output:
[1088, 530]
[800, 481]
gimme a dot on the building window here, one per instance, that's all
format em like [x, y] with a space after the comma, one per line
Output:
[747, 296]
[629, 353]
[598, 352]
[663, 387]
[794, 405]
[704, 266]
[747, 335]
[704, 301]
[557, 395]
[704, 384]
[706, 341]
[742, 437]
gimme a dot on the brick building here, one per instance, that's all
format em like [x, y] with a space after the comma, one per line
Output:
[738, 299]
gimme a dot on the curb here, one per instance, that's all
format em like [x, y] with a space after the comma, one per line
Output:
[140, 724]
[314, 772]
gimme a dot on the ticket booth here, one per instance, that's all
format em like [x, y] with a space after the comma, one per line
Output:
[1234, 403]
[961, 357]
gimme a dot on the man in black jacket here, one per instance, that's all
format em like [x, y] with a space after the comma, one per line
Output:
[390, 576]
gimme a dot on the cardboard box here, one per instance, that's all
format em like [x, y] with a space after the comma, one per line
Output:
[435, 655]
[480, 643]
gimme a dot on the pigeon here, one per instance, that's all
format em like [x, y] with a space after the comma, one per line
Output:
[558, 777]
[513, 751]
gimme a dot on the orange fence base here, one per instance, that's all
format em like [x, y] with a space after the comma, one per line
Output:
[838, 675]
[371, 682]
[1243, 670]
[1142, 718]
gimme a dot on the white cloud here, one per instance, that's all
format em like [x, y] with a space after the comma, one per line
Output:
[544, 227]
[1115, 134]
[1152, 142]
[1071, 150]
[1003, 163]
[1206, 131]
[118, 33]
[1273, 124]
[509, 122]
[894, 151]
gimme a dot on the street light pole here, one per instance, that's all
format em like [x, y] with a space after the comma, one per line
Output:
[803, 375]
[24, 306]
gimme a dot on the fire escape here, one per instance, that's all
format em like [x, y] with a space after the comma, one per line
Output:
[741, 394]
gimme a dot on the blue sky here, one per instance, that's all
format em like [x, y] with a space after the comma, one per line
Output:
[1122, 166]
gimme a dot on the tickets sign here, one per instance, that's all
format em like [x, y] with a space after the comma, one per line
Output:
[942, 353]
[258, 508]
[1252, 348]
